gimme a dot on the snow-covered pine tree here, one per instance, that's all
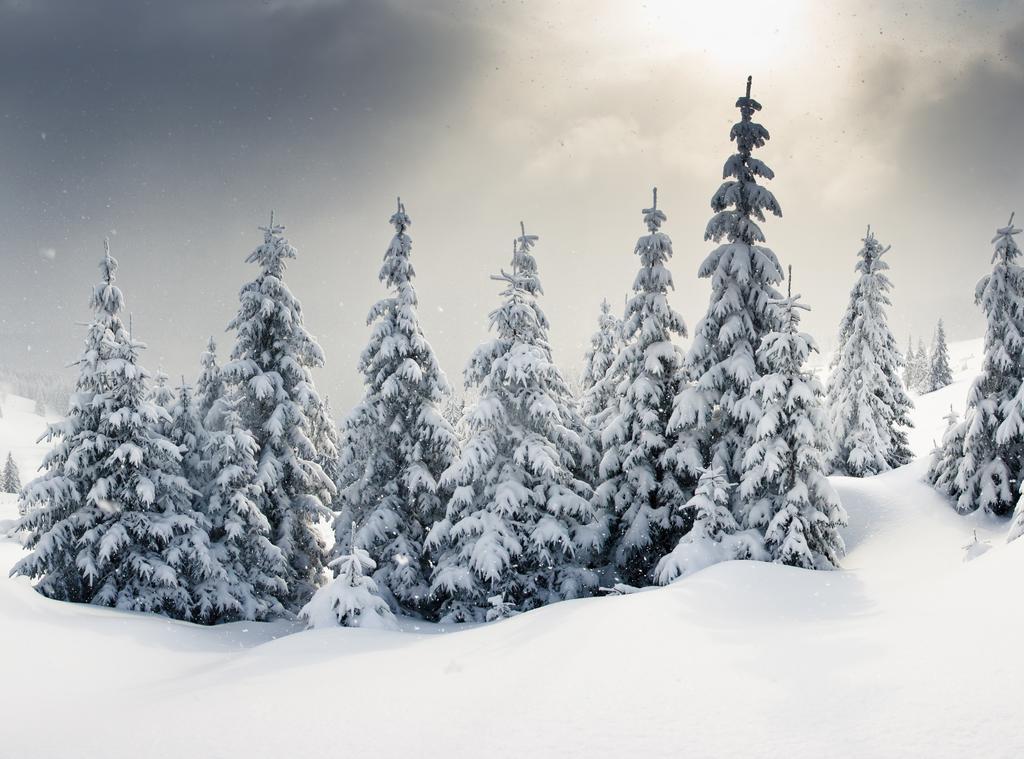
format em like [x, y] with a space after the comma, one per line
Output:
[162, 396]
[270, 367]
[598, 387]
[946, 456]
[210, 384]
[992, 456]
[186, 431]
[642, 495]
[326, 439]
[940, 374]
[111, 521]
[519, 524]
[713, 535]
[11, 478]
[1017, 523]
[869, 409]
[396, 442]
[909, 365]
[922, 365]
[352, 598]
[254, 568]
[784, 480]
[709, 419]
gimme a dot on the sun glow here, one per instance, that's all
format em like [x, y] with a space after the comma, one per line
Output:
[737, 31]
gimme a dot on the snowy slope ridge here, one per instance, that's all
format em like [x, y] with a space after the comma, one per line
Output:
[895, 655]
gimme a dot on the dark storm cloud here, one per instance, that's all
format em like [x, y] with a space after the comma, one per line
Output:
[170, 125]
[87, 85]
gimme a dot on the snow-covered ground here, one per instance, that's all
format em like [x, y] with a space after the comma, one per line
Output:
[908, 651]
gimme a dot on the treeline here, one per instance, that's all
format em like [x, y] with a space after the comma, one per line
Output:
[208, 502]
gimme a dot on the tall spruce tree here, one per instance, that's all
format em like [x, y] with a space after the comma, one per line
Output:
[519, 524]
[270, 368]
[210, 384]
[869, 409]
[598, 391]
[784, 480]
[991, 441]
[940, 374]
[111, 521]
[642, 495]
[396, 442]
[709, 421]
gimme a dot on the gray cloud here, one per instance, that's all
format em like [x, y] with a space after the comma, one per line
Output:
[175, 127]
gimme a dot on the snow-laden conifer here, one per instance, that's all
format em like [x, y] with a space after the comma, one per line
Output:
[161, 395]
[254, 568]
[910, 365]
[352, 598]
[714, 537]
[188, 433]
[784, 483]
[270, 367]
[946, 456]
[597, 386]
[1017, 523]
[519, 524]
[396, 442]
[11, 477]
[992, 457]
[709, 419]
[940, 374]
[642, 494]
[111, 520]
[922, 367]
[210, 384]
[869, 409]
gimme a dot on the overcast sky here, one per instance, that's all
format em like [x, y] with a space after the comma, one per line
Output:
[175, 127]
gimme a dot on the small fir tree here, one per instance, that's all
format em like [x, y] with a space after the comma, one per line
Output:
[642, 494]
[713, 535]
[210, 385]
[909, 365]
[351, 599]
[922, 364]
[519, 524]
[869, 409]
[11, 477]
[939, 372]
[188, 433]
[162, 396]
[598, 391]
[946, 456]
